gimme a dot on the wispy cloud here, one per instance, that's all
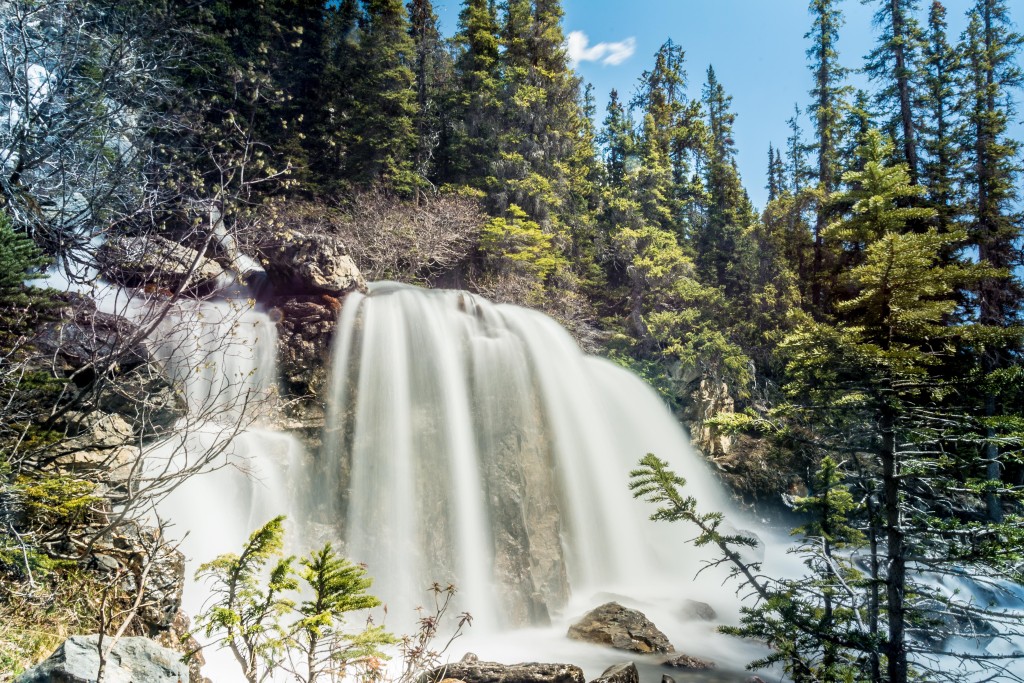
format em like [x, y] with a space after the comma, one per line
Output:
[609, 54]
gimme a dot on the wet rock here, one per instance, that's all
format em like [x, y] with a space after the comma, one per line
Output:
[110, 366]
[156, 262]
[132, 660]
[619, 673]
[492, 672]
[697, 611]
[689, 663]
[621, 628]
[305, 326]
[469, 658]
[309, 264]
[665, 678]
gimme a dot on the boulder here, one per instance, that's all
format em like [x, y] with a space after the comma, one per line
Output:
[492, 672]
[101, 446]
[86, 345]
[619, 673]
[621, 628]
[308, 264]
[689, 663]
[154, 262]
[132, 660]
[695, 610]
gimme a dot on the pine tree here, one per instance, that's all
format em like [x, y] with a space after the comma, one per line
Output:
[796, 154]
[384, 129]
[895, 64]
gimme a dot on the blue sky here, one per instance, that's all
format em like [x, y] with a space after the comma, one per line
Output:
[756, 46]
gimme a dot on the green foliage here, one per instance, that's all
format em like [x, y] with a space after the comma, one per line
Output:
[253, 615]
[517, 243]
[56, 500]
[20, 261]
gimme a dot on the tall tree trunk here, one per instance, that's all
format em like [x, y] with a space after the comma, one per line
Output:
[896, 569]
[899, 34]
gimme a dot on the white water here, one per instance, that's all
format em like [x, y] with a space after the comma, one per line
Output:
[440, 399]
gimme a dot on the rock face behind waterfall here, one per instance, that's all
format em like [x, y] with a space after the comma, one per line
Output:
[310, 274]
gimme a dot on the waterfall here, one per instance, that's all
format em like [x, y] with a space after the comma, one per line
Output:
[475, 444]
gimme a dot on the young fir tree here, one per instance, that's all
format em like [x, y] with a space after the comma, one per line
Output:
[384, 130]
[995, 222]
[895, 64]
[827, 105]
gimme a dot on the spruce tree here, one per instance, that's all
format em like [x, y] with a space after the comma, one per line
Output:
[617, 139]
[433, 71]
[473, 141]
[384, 129]
[995, 223]
[827, 105]
[941, 155]
[336, 133]
[895, 65]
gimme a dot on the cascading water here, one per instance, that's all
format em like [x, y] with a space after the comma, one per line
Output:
[477, 445]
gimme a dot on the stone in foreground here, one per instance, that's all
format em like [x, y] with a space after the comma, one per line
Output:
[619, 673]
[492, 672]
[621, 628]
[133, 660]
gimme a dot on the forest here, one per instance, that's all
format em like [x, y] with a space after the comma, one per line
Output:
[849, 356]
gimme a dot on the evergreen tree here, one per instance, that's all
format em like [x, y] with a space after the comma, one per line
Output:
[433, 71]
[776, 174]
[384, 129]
[336, 134]
[618, 140]
[827, 106]
[796, 154]
[942, 158]
[719, 241]
[895, 64]
[474, 123]
[994, 223]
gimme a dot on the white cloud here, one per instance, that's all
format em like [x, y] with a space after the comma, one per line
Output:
[609, 54]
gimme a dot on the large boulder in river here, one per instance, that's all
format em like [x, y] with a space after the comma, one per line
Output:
[309, 264]
[157, 262]
[621, 628]
[492, 672]
[132, 660]
[619, 673]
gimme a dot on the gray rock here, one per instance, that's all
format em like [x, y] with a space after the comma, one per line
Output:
[619, 673]
[621, 628]
[665, 678]
[298, 263]
[158, 263]
[132, 660]
[695, 610]
[689, 663]
[492, 672]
